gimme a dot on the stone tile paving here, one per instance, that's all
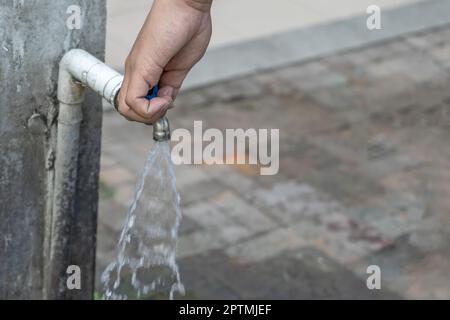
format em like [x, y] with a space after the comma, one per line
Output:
[364, 179]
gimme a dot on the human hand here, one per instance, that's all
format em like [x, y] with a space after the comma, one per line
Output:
[172, 40]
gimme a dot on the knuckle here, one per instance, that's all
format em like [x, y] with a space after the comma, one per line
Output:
[130, 102]
[122, 107]
[122, 110]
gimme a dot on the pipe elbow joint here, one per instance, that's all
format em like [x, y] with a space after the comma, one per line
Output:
[79, 69]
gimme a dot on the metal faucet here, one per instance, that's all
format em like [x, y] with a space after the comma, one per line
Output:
[161, 130]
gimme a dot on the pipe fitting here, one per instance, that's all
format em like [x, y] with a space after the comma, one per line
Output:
[85, 69]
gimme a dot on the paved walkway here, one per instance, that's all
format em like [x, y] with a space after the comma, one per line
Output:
[364, 179]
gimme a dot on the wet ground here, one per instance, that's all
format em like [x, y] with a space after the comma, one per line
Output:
[364, 179]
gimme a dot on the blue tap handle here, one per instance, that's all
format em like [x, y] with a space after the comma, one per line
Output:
[152, 93]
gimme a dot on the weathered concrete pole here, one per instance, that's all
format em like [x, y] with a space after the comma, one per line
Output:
[34, 35]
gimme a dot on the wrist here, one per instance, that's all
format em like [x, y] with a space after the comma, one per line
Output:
[200, 5]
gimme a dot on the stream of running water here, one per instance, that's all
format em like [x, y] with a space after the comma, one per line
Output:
[145, 265]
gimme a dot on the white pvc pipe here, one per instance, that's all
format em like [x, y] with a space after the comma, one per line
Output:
[78, 69]
[91, 72]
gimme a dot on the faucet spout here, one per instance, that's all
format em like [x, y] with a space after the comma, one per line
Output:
[161, 130]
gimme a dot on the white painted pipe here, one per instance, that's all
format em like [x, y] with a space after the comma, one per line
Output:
[85, 68]
[78, 69]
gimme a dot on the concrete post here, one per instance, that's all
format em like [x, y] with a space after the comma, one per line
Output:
[34, 35]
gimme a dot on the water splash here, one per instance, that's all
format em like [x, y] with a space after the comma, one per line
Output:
[145, 264]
